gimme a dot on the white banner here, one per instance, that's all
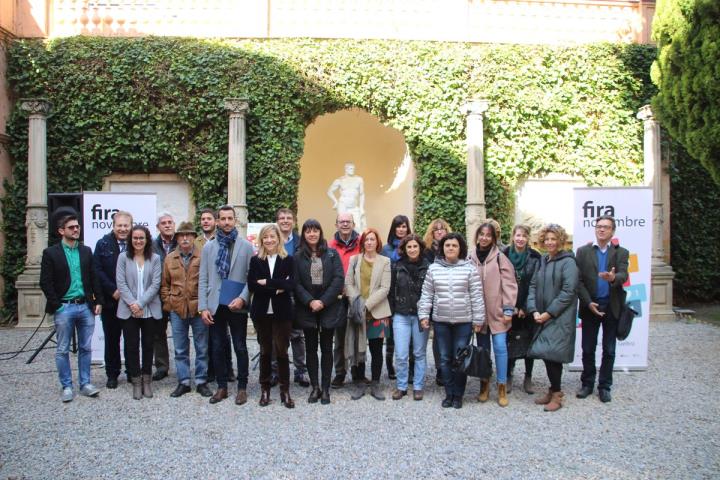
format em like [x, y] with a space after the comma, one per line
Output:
[99, 208]
[633, 211]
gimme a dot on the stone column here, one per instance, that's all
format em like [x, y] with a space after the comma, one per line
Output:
[661, 295]
[237, 108]
[31, 301]
[475, 176]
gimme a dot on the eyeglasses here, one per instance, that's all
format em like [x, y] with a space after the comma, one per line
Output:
[344, 222]
[72, 227]
[603, 227]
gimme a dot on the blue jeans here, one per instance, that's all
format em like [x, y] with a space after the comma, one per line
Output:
[499, 346]
[451, 337]
[218, 334]
[180, 327]
[71, 317]
[405, 329]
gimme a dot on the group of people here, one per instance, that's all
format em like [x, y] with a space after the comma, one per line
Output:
[343, 296]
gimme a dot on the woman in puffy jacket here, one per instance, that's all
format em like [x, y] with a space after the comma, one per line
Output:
[452, 291]
[500, 293]
[552, 303]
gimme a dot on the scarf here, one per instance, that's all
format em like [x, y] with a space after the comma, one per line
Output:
[482, 254]
[350, 244]
[395, 255]
[223, 259]
[518, 260]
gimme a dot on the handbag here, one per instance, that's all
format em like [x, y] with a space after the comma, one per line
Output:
[627, 315]
[473, 360]
[518, 341]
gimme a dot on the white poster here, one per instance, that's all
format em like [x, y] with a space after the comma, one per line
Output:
[633, 212]
[99, 207]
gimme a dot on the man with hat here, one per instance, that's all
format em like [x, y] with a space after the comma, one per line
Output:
[179, 294]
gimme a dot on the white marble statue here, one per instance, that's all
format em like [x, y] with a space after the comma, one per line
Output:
[352, 196]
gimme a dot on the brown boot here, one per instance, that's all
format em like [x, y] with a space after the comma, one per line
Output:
[137, 388]
[545, 399]
[286, 399]
[484, 390]
[528, 386]
[241, 397]
[220, 395]
[555, 403]
[502, 395]
[147, 386]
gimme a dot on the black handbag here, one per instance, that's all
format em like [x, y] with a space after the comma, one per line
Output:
[473, 360]
[518, 341]
[627, 315]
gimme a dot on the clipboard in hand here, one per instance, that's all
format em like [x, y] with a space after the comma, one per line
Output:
[229, 291]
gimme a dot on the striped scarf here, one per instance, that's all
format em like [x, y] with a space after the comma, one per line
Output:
[223, 258]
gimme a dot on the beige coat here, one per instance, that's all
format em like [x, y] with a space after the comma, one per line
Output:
[499, 287]
[377, 302]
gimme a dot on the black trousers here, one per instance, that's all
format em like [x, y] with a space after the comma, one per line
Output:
[139, 333]
[273, 333]
[160, 344]
[529, 362]
[554, 373]
[112, 330]
[237, 322]
[325, 335]
[376, 360]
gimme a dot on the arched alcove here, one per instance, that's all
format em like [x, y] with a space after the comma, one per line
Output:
[380, 156]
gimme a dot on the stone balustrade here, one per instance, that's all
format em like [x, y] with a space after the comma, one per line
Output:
[492, 21]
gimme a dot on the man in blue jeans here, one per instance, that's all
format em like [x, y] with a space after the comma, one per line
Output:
[74, 297]
[603, 269]
[179, 293]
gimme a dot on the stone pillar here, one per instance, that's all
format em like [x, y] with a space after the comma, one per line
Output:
[237, 108]
[31, 301]
[475, 176]
[655, 176]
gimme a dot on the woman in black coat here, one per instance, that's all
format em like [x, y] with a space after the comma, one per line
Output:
[320, 280]
[271, 280]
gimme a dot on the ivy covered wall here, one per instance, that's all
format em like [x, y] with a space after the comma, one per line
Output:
[155, 105]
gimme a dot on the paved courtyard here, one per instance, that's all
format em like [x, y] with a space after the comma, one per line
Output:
[662, 423]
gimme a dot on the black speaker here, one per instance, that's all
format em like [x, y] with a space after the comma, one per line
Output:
[59, 205]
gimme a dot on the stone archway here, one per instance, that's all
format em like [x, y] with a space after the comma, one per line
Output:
[380, 157]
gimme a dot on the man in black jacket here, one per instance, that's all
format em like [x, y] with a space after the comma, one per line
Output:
[106, 253]
[163, 244]
[72, 289]
[603, 269]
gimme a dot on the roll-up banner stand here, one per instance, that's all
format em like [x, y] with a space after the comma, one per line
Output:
[633, 212]
[98, 211]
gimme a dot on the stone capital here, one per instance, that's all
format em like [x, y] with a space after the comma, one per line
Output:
[237, 106]
[645, 114]
[36, 106]
[475, 107]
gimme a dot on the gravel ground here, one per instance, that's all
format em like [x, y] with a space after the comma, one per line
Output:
[662, 423]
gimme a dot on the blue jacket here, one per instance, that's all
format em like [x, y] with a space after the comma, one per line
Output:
[106, 254]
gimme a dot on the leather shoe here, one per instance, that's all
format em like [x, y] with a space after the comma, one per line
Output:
[220, 395]
[314, 395]
[584, 392]
[398, 394]
[287, 400]
[325, 397]
[457, 402]
[338, 381]
[241, 397]
[604, 395]
[264, 398]
[204, 390]
[159, 375]
[447, 402]
[417, 395]
[112, 382]
[302, 380]
[180, 390]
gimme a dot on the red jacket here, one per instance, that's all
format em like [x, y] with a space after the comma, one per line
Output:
[346, 249]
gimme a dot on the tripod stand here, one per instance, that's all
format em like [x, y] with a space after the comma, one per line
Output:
[48, 339]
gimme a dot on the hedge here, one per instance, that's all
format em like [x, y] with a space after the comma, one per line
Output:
[155, 105]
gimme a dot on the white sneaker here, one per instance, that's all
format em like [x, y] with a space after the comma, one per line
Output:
[89, 390]
[67, 394]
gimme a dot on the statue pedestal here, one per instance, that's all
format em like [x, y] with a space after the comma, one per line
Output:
[31, 301]
[662, 293]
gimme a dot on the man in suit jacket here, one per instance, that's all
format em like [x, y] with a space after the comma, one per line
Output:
[106, 253]
[74, 297]
[225, 260]
[163, 244]
[603, 270]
